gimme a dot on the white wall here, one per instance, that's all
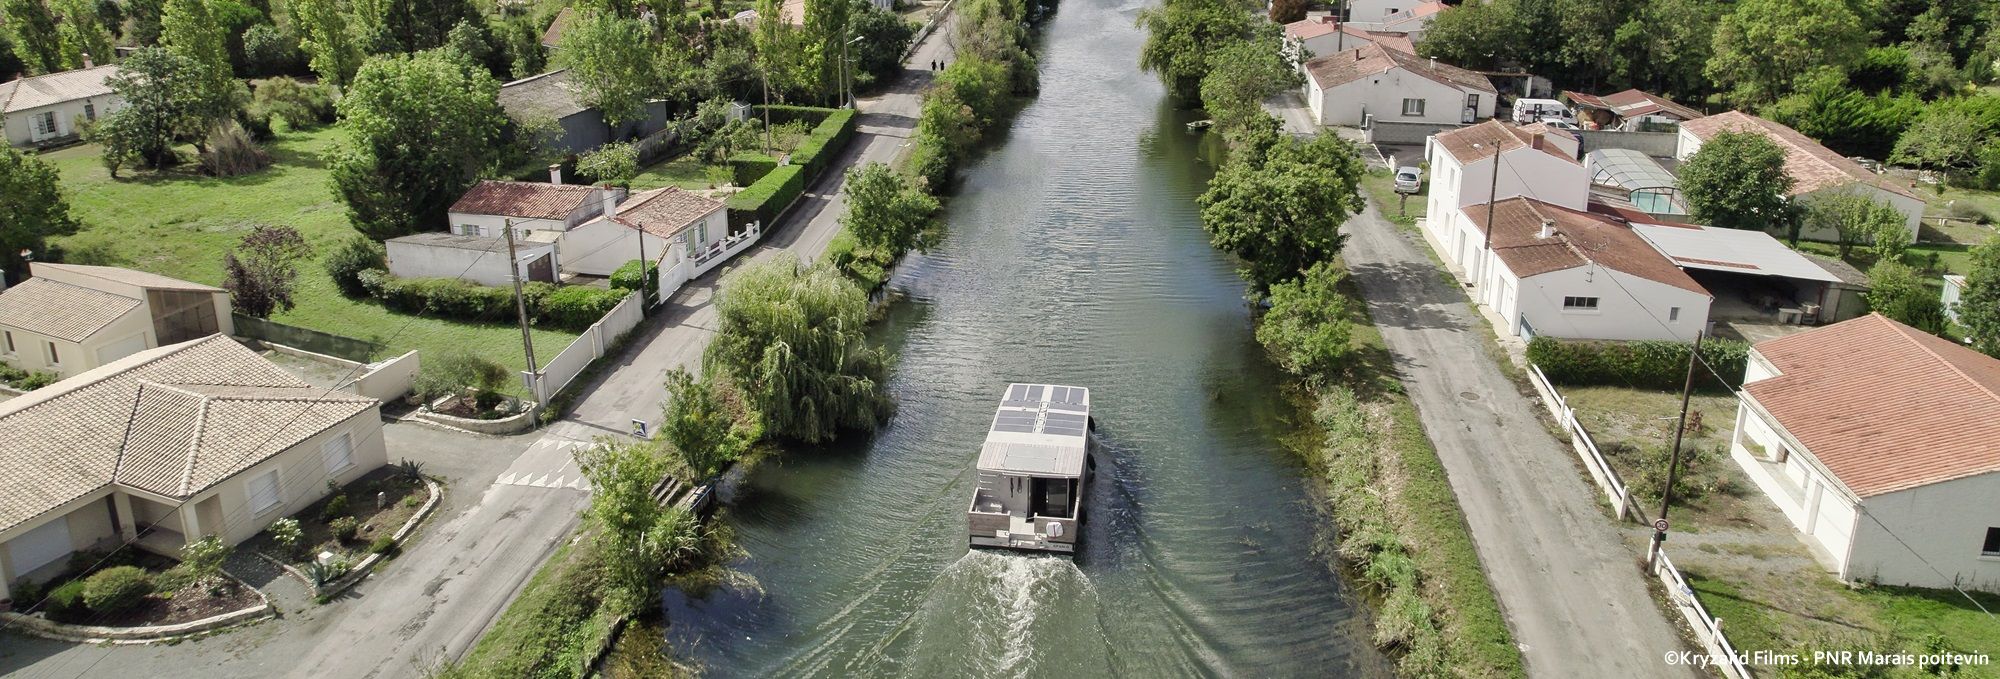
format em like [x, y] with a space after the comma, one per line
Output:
[1628, 307]
[600, 247]
[1382, 96]
[1523, 172]
[31, 349]
[302, 477]
[388, 380]
[1950, 298]
[413, 260]
[21, 126]
[1944, 523]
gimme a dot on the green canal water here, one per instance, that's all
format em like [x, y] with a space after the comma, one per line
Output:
[1073, 255]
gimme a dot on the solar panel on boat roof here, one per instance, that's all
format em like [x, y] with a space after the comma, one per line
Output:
[1063, 418]
[1016, 428]
[1059, 394]
[1072, 407]
[1035, 392]
[1017, 392]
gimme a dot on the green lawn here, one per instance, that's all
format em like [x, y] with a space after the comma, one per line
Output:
[181, 224]
[1380, 185]
[1952, 257]
[682, 171]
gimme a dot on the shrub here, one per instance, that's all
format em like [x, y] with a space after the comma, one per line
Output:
[344, 528]
[382, 545]
[410, 470]
[764, 199]
[25, 380]
[1968, 211]
[302, 105]
[118, 589]
[333, 509]
[1655, 364]
[456, 373]
[627, 276]
[613, 163]
[349, 259]
[576, 308]
[65, 603]
[203, 558]
[174, 579]
[324, 573]
[231, 151]
[289, 536]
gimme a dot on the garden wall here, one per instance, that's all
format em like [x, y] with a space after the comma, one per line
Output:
[587, 348]
[309, 340]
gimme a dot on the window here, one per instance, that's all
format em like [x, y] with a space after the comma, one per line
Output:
[1673, 314]
[54, 358]
[263, 491]
[10, 342]
[1472, 101]
[468, 229]
[89, 111]
[46, 123]
[338, 453]
[1413, 107]
[1992, 546]
[1579, 304]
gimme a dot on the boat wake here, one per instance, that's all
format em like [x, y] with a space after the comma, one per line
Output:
[992, 613]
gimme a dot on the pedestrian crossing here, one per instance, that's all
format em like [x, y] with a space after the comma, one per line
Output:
[549, 463]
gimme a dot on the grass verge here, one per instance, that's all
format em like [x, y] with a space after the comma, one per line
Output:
[1380, 185]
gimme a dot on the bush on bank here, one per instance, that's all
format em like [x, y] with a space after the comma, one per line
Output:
[1658, 365]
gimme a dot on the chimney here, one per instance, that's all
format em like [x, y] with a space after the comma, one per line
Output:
[610, 195]
[1548, 229]
[1357, 54]
[87, 63]
[555, 174]
[1535, 141]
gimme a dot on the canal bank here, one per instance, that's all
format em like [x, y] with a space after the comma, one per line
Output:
[1072, 254]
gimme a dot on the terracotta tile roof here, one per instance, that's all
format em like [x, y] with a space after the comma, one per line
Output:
[1313, 27]
[133, 277]
[1812, 166]
[1372, 59]
[173, 420]
[56, 88]
[1507, 136]
[1884, 406]
[1632, 103]
[66, 312]
[665, 211]
[532, 200]
[1580, 238]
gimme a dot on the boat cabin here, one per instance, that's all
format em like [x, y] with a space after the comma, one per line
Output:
[1034, 470]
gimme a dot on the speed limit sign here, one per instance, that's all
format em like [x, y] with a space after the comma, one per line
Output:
[1660, 525]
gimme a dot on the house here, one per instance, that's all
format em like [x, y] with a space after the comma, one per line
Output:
[1876, 440]
[536, 102]
[1954, 287]
[176, 442]
[491, 205]
[1399, 16]
[1374, 82]
[671, 225]
[1560, 272]
[552, 36]
[1815, 170]
[50, 109]
[70, 318]
[1533, 162]
[1316, 35]
[1629, 111]
[477, 259]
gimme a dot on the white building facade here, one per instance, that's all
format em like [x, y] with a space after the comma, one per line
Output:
[1351, 87]
[1462, 171]
[52, 108]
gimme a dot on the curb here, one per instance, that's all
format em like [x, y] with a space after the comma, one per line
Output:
[366, 565]
[127, 636]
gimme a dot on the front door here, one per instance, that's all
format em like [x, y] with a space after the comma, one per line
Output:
[1471, 108]
[542, 269]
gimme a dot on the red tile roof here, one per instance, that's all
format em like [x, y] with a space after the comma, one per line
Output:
[1507, 136]
[666, 211]
[1884, 406]
[1632, 103]
[532, 200]
[1372, 59]
[1812, 166]
[1313, 27]
[1579, 238]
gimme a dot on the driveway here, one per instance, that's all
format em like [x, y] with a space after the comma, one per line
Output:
[1567, 582]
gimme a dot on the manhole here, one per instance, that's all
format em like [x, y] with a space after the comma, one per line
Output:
[1469, 396]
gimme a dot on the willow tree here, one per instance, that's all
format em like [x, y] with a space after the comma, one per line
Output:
[792, 340]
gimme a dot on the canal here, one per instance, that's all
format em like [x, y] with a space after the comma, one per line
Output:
[1073, 254]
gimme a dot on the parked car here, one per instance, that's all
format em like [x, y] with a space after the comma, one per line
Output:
[1409, 179]
[1559, 123]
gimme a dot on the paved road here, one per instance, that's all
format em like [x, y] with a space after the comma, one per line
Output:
[1567, 581]
[435, 600]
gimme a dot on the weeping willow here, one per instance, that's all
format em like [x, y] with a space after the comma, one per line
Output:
[792, 340]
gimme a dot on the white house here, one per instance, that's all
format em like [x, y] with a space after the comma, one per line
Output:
[1314, 36]
[48, 108]
[1954, 287]
[1534, 161]
[1815, 170]
[69, 318]
[490, 205]
[477, 259]
[1877, 441]
[674, 226]
[167, 445]
[1559, 272]
[1346, 88]
[1401, 16]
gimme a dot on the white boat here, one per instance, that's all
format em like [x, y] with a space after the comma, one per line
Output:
[1034, 470]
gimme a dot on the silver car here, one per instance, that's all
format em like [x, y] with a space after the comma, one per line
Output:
[1409, 179]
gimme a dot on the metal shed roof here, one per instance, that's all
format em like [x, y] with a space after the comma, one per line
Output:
[1039, 430]
[1735, 250]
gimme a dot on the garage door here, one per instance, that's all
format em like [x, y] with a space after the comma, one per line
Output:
[121, 348]
[40, 547]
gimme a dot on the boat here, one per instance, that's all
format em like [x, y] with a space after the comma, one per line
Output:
[1034, 470]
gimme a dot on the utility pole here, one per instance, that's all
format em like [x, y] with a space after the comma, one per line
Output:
[521, 304]
[1492, 198]
[766, 76]
[645, 292]
[1674, 457]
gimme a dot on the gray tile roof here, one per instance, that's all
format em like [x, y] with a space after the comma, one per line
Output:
[174, 421]
[550, 95]
[66, 312]
[439, 239]
[55, 88]
[144, 279]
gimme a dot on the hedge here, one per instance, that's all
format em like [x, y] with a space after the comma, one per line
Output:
[786, 113]
[564, 307]
[627, 276]
[817, 150]
[763, 201]
[1655, 364]
[749, 166]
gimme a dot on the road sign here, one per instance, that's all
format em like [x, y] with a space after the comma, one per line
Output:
[1660, 525]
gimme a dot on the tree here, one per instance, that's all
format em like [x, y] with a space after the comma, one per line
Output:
[882, 36]
[268, 51]
[1832, 112]
[421, 128]
[162, 103]
[259, 274]
[1945, 141]
[1737, 181]
[611, 60]
[1979, 301]
[189, 30]
[1665, 45]
[31, 196]
[458, 373]
[638, 539]
[1280, 210]
[885, 211]
[1240, 77]
[784, 54]
[31, 27]
[331, 49]
[1854, 220]
[615, 163]
[419, 25]
[792, 339]
[1182, 34]
[1287, 11]
[704, 430]
[1762, 47]
[826, 30]
[81, 33]
[1472, 35]
[145, 15]
[522, 43]
[1895, 291]
[1306, 329]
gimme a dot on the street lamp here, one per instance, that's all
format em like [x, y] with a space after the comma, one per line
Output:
[846, 68]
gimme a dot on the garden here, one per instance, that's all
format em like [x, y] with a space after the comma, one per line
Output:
[332, 537]
[128, 587]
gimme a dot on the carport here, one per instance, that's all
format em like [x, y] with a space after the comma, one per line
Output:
[1754, 277]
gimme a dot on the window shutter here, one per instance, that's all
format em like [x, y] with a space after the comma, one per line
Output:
[263, 491]
[338, 453]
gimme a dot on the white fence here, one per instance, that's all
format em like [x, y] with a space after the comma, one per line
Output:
[588, 347]
[1706, 628]
[720, 251]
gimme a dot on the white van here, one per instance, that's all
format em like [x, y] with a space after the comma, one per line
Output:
[1528, 111]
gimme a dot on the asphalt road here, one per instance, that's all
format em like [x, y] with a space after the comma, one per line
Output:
[1568, 583]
